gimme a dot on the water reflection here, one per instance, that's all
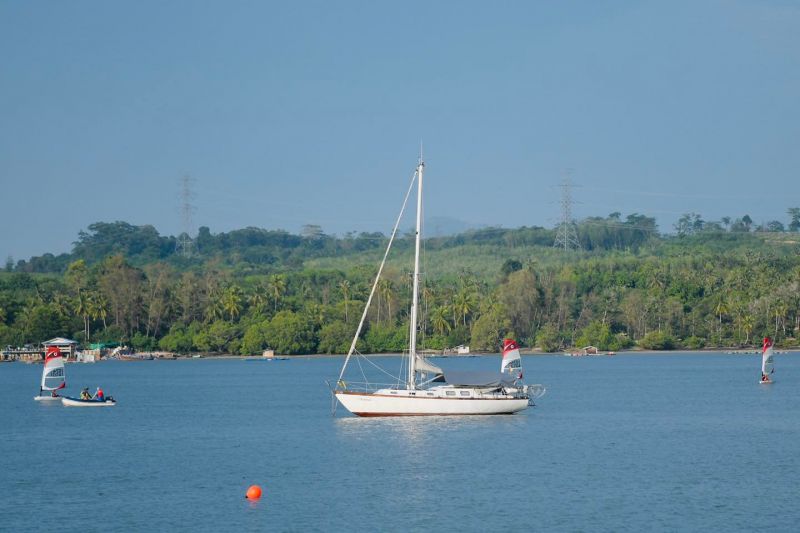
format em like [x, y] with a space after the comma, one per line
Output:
[420, 429]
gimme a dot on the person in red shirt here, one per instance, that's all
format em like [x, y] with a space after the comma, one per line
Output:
[99, 395]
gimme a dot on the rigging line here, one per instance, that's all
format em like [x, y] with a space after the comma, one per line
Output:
[365, 358]
[396, 378]
[380, 269]
[363, 374]
[403, 370]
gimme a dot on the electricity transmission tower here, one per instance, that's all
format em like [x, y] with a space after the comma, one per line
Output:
[566, 234]
[185, 245]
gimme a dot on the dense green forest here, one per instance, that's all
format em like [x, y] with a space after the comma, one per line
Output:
[709, 284]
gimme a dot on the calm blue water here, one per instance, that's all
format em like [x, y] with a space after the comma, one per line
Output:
[631, 442]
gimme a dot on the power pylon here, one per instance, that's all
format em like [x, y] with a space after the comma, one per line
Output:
[185, 244]
[566, 234]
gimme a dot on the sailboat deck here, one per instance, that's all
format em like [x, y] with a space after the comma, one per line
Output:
[444, 393]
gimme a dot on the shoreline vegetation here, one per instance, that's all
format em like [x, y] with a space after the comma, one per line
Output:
[710, 285]
[524, 353]
[195, 357]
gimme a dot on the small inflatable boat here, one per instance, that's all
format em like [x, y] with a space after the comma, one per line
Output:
[77, 402]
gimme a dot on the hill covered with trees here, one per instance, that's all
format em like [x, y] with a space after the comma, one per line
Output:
[710, 284]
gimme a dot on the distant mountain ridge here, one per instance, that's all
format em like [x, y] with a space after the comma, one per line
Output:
[265, 250]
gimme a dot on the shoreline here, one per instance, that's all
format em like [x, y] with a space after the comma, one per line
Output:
[524, 353]
[714, 351]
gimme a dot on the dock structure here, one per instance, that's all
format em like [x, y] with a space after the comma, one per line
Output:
[36, 354]
[68, 347]
[26, 354]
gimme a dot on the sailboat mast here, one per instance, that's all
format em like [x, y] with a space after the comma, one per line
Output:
[412, 349]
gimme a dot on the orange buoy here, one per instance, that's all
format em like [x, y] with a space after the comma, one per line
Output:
[253, 493]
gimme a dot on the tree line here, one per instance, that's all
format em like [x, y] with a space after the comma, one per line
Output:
[628, 286]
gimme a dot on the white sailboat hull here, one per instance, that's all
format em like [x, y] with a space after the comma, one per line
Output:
[47, 398]
[370, 404]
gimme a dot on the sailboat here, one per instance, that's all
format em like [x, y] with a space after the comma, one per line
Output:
[767, 366]
[53, 377]
[426, 389]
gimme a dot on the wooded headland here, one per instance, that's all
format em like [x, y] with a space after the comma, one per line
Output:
[711, 284]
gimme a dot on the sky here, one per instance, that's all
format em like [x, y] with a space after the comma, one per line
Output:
[293, 113]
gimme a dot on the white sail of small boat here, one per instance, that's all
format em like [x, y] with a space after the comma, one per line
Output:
[426, 389]
[53, 376]
[767, 365]
[512, 362]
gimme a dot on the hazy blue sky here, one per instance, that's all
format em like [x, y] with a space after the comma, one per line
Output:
[288, 113]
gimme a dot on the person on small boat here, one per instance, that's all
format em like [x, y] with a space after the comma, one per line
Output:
[98, 395]
[85, 394]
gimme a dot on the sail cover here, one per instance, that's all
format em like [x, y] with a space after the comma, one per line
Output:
[511, 358]
[423, 365]
[53, 373]
[766, 357]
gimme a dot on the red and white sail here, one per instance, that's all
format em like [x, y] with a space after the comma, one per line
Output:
[512, 362]
[53, 377]
[767, 366]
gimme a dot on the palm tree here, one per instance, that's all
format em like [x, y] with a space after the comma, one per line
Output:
[427, 300]
[748, 323]
[93, 309]
[101, 306]
[407, 280]
[439, 320]
[62, 304]
[215, 308]
[344, 287]
[25, 316]
[316, 314]
[258, 298]
[464, 303]
[428, 294]
[232, 301]
[82, 308]
[721, 309]
[780, 314]
[306, 290]
[277, 286]
[386, 291]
